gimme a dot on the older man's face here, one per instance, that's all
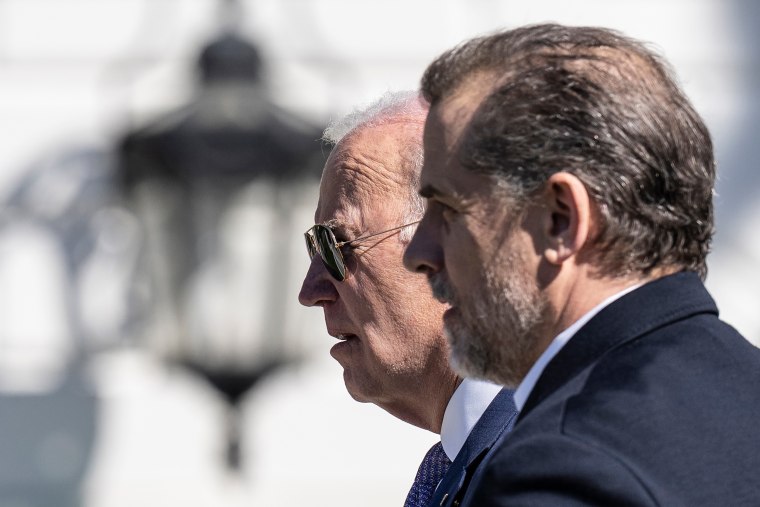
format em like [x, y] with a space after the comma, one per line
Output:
[388, 324]
[477, 253]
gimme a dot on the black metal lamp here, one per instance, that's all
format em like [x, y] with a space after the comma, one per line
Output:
[213, 185]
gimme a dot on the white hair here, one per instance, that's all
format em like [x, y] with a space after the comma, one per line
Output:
[400, 106]
[390, 106]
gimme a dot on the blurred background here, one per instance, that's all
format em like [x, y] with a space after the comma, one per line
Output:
[158, 165]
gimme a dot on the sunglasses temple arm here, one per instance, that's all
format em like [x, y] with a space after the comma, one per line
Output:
[342, 243]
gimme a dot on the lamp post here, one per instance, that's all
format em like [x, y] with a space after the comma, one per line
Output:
[214, 185]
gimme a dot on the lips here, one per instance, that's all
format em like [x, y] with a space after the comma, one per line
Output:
[342, 350]
[341, 334]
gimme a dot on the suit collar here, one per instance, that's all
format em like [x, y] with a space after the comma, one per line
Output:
[529, 381]
[499, 416]
[652, 305]
[498, 419]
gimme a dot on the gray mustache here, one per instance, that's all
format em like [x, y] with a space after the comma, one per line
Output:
[441, 290]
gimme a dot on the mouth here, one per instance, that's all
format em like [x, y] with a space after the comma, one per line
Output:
[341, 335]
[342, 350]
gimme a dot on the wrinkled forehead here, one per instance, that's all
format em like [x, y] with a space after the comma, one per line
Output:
[364, 175]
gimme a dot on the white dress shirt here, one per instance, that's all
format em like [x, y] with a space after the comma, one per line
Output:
[526, 386]
[464, 410]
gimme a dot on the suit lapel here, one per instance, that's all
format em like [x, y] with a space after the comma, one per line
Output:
[651, 306]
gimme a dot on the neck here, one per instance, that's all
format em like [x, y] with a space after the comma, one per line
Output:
[426, 410]
[571, 301]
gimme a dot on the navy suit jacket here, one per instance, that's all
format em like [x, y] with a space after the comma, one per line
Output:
[654, 402]
[497, 419]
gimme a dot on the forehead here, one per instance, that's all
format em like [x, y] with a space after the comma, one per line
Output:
[366, 174]
[444, 130]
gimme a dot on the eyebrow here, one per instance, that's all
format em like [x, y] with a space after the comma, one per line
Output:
[428, 191]
[453, 197]
[332, 223]
[340, 228]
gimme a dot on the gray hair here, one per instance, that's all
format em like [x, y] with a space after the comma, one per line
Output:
[401, 106]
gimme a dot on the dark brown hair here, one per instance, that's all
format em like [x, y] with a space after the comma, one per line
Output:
[599, 105]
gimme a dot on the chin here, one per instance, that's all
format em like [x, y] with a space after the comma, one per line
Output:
[355, 391]
[468, 357]
[358, 397]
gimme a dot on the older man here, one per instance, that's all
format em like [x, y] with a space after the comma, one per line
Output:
[391, 343]
[569, 184]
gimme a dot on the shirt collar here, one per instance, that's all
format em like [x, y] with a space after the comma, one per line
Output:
[526, 386]
[464, 410]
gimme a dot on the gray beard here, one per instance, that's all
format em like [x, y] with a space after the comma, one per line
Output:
[494, 335]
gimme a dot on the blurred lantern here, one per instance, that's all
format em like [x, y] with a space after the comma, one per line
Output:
[215, 185]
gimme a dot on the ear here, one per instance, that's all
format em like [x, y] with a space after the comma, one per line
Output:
[567, 217]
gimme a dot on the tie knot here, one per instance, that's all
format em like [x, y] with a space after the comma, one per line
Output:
[431, 471]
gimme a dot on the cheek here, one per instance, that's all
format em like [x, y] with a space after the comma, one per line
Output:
[404, 307]
[368, 303]
[462, 255]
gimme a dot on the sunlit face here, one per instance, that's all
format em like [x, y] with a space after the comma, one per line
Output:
[387, 322]
[478, 254]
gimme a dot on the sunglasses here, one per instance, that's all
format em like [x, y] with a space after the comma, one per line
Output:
[320, 239]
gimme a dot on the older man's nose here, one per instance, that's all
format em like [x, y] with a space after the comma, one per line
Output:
[318, 287]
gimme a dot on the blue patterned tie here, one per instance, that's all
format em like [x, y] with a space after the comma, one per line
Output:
[431, 471]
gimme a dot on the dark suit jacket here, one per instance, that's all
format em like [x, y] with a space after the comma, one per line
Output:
[498, 418]
[655, 401]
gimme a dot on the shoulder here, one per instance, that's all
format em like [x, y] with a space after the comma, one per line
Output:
[555, 469]
[661, 383]
[639, 422]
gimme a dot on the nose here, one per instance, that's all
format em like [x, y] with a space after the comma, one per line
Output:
[318, 286]
[423, 254]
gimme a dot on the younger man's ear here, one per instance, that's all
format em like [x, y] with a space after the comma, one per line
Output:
[567, 217]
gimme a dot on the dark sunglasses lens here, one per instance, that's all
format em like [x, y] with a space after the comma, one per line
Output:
[331, 255]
